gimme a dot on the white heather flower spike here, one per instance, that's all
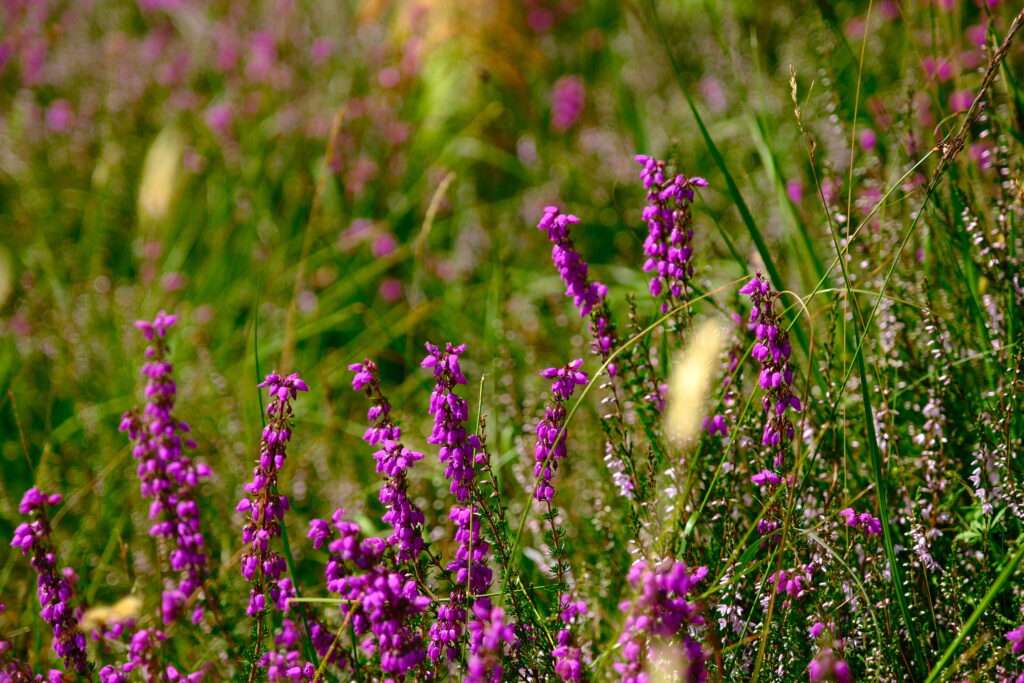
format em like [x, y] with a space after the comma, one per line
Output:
[689, 380]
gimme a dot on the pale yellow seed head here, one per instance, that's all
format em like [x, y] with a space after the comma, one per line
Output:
[96, 617]
[668, 662]
[690, 377]
[160, 173]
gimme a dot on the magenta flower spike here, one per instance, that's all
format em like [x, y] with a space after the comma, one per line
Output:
[668, 245]
[470, 571]
[772, 350]
[264, 507]
[588, 296]
[393, 461]
[54, 587]
[550, 449]
[168, 475]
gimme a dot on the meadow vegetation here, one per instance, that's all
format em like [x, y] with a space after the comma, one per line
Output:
[514, 340]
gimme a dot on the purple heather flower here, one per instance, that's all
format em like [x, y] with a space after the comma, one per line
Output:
[766, 478]
[826, 665]
[381, 427]
[568, 99]
[669, 230]
[588, 296]
[871, 525]
[53, 588]
[792, 582]
[384, 601]
[471, 573]
[548, 452]
[716, 425]
[661, 610]
[167, 474]
[265, 507]
[451, 412]
[489, 636]
[393, 461]
[1016, 636]
[286, 662]
[142, 657]
[567, 654]
[571, 266]
[772, 349]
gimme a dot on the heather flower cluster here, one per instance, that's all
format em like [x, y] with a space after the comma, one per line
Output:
[490, 637]
[470, 571]
[265, 506]
[827, 666]
[54, 587]
[772, 350]
[588, 296]
[661, 609]
[381, 602]
[382, 427]
[568, 655]
[286, 663]
[550, 448]
[143, 658]
[669, 242]
[868, 524]
[168, 476]
[393, 461]
[792, 582]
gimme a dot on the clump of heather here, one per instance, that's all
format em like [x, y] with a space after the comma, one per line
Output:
[54, 587]
[851, 509]
[586, 294]
[589, 298]
[168, 476]
[490, 637]
[379, 600]
[568, 654]
[143, 658]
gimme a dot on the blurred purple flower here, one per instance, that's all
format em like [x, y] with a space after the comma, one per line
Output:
[568, 99]
[53, 587]
[661, 610]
